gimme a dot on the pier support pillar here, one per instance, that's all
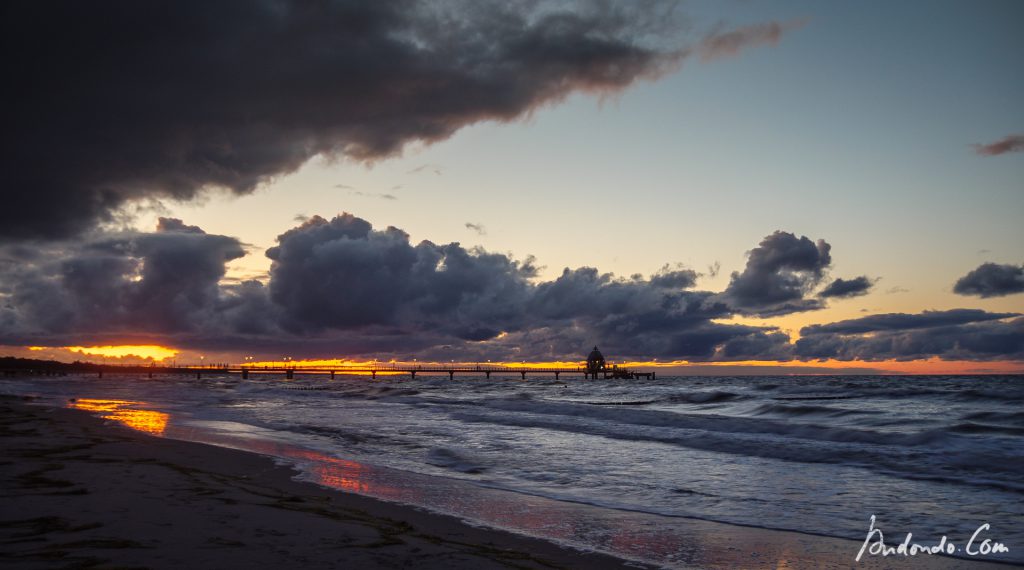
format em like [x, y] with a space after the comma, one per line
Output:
[451, 375]
[198, 374]
[654, 375]
[373, 374]
[524, 375]
[150, 375]
[332, 375]
[245, 374]
[290, 374]
[556, 375]
[413, 372]
[488, 373]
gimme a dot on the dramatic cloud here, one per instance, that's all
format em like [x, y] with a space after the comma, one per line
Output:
[991, 280]
[123, 283]
[674, 278]
[904, 321]
[340, 287]
[843, 288]
[780, 273]
[731, 43]
[342, 274]
[121, 100]
[1012, 143]
[960, 334]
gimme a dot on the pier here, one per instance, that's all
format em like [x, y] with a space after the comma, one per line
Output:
[594, 369]
[290, 372]
[423, 370]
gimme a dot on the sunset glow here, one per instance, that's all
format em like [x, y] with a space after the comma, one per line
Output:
[147, 351]
[676, 367]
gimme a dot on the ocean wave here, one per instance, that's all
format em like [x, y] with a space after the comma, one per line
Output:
[450, 459]
[993, 416]
[930, 455]
[978, 394]
[972, 427]
[774, 409]
[716, 423]
[709, 397]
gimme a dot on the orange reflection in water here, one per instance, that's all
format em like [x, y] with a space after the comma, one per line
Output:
[346, 475]
[148, 421]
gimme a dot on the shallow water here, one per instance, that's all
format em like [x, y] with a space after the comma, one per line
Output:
[930, 455]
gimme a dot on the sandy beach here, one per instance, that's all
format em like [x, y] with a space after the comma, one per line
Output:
[83, 492]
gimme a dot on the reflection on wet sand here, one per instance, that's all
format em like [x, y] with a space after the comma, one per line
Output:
[339, 473]
[320, 468]
[126, 413]
[666, 541]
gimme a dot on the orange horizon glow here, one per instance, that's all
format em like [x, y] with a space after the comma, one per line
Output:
[932, 365]
[140, 351]
[383, 364]
[928, 366]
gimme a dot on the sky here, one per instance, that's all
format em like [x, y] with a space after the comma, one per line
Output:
[729, 185]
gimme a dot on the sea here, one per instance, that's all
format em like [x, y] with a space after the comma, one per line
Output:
[619, 465]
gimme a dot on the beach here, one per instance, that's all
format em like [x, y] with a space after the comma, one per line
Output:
[81, 491]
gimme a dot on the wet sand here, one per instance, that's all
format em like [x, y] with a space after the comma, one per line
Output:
[79, 492]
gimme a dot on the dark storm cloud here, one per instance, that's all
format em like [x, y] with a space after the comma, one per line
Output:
[677, 278]
[781, 271]
[634, 316]
[341, 287]
[843, 288]
[905, 321]
[122, 100]
[731, 43]
[1011, 143]
[120, 283]
[991, 280]
[960, 334]
[176, 225]
[343, 282]
[343, 274]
